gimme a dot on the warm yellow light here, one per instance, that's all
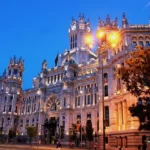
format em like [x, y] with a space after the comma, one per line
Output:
[113, 44]
[88, 39]
[100, 34]
[114, 38]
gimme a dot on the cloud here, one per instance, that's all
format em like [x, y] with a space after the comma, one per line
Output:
[147, 5]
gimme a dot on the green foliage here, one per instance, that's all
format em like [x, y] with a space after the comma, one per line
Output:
[136, 76]
[89, 130]
[31, 131]
[73, 132]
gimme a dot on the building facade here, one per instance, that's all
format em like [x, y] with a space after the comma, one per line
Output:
[71, 91]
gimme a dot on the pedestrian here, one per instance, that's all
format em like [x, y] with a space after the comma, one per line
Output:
[58, 146]
[139, 147]
[95, 145]
[144, 146]
[70, 144]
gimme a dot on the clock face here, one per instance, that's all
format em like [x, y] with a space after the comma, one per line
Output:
[88, 29]
[73, 27]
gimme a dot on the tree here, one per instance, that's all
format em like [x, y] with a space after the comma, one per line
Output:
[11, 134]
[73, 133]
[31, 132]
[136, 76]
[89, 131]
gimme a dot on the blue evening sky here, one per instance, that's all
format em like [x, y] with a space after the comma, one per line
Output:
[38, 29]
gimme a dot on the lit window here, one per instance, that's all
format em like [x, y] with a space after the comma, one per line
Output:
[134, 44]
[141, 43]
[147, 43]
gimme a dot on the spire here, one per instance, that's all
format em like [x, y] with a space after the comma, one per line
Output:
[4, 73]
[124, 21]
[116, 22]
[14, 59]
[100, 23]
[56, 60]
[107, 20]
[44, 65]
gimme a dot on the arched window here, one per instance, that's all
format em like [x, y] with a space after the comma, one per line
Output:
[141, 43]
[147, 43]
[106, 116]
[134, 44]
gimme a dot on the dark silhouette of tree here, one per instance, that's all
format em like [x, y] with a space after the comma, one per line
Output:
[136, 76]
[31, 132]
[11, 134]
[89, 131]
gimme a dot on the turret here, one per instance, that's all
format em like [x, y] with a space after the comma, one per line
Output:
[77, 31]
[124, 21]
[108, 23]
[16, 68]
[44, 65]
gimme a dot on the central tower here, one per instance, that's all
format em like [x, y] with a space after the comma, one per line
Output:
[77, 31]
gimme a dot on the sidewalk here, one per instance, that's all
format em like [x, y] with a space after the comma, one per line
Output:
[33, 147]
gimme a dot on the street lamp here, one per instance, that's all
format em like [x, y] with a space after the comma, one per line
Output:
[39, 117]
[81, 92]
[106, 39]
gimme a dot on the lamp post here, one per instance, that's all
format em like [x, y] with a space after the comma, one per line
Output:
[39, 130]
[81, 92]
[113, 38]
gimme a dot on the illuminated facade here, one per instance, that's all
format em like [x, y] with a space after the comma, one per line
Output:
[71, 91]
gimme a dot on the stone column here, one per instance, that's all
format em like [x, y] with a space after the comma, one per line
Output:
[124, 114]
[116, 116]
[25, 106]
[120, 115]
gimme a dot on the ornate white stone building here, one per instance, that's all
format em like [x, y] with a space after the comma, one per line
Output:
[71, 91]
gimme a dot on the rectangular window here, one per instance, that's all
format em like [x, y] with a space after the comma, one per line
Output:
[85, 100]
[91, 98]
[106, 116]
[88, 99]
[4, 108]
[64, 102]
[106, 90]
[15, 71]
[95, 98]
[89, 116]
[10, 106]
[78, 101]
